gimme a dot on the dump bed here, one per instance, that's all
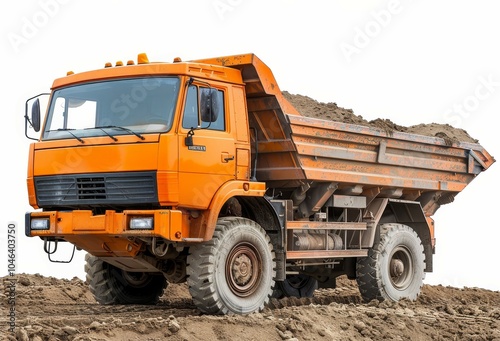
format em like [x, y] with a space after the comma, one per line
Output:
[353, 154]
[291, 150]
[372, 162]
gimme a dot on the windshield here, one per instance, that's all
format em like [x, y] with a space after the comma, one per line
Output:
[118, 107]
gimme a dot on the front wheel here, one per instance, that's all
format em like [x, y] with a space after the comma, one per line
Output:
[394, 268]
[233, 272]
[111, 285]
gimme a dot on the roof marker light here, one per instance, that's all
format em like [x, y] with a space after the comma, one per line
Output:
[119, 63]
[130, 62]
[142, 58]
[108, 64]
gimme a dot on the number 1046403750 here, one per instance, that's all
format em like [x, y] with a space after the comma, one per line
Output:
[11, 249]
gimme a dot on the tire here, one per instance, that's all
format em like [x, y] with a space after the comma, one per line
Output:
[297, 286]
[111, 285]
[234, 272]
[394, 268]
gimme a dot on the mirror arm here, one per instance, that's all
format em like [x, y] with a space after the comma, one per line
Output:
[189, 138]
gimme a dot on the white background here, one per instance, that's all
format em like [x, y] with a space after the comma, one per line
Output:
[409, 61]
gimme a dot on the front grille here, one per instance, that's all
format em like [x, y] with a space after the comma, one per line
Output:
[91, 190]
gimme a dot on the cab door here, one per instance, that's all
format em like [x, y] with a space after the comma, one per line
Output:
[206, 149]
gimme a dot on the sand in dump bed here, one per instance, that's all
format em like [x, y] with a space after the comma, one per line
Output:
[331, 111]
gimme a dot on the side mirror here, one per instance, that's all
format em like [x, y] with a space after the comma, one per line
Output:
[209, 105]
[35, 115]
[32, 116]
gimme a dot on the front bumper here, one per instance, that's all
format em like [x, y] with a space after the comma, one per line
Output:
[109, 233]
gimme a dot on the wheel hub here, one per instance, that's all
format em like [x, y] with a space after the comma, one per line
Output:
[242, 267]
[397, 268]
[401, 268]
[242, 270]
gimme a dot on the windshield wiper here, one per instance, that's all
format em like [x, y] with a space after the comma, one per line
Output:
[69, 131]
[105, 132]
[124, 129]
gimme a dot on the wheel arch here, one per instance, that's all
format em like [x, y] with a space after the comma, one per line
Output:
[262, 211]
[410, 213]
[270, 215]
[226, 192]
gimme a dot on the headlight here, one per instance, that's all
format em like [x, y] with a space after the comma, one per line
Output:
[141, 223]
[40, 224]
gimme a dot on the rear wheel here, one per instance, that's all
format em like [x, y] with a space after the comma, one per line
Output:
[297, 286]
[233, 272]
[394, 268]
[111, 285]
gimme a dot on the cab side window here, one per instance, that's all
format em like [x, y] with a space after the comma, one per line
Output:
[190, 119]
[191, 110]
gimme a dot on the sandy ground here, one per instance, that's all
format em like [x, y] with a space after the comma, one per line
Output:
[56, 309]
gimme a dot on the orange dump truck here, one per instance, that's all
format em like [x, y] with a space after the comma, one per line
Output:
[203, 172]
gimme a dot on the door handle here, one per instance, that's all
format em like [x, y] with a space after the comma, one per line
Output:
[225, 157]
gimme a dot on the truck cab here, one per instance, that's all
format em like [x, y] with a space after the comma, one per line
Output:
[144, 137]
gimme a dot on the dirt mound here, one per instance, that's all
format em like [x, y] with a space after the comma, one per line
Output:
[331, 111]
[56, 309]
